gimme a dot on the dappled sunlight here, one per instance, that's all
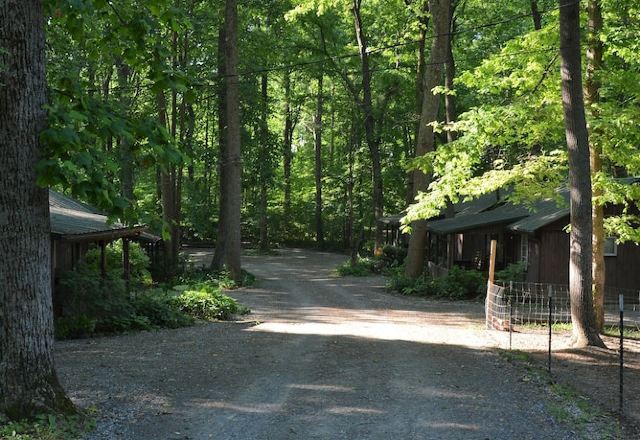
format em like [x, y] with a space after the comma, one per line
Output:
[329, 388]
[390, 331]
[257, 408]
[352, 410]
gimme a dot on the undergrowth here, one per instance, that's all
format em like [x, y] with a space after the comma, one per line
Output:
[95, 305]
[46, 427]
[457, 284]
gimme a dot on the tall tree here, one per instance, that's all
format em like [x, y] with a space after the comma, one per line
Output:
[221, 238]
[440, 18]
[289, 127]
[265, 165]
[232, 160]
[318, 163]
[582, 314]
[28, 380]
[366, 106]
[592, 98]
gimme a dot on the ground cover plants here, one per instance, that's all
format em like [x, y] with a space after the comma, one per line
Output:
[93, 304]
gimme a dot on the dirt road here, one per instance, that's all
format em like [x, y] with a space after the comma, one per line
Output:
[330, 358]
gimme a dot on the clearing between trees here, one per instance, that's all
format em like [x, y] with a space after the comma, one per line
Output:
[321, 357]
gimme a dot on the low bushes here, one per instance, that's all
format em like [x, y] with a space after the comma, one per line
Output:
[457, 284]
[96, 305]
[390, 258]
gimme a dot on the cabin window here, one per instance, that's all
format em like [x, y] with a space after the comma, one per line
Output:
[524, 248]
[610, 247]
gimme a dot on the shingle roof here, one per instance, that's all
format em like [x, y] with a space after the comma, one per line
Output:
[503, 213]
[73, 219]
[545, 213]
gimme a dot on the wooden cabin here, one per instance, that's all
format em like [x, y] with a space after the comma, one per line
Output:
[77, 227]
[535, 235]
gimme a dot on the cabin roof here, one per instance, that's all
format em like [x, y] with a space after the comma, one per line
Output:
[503, 212]
[74, 220]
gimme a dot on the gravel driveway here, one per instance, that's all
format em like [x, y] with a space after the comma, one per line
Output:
[322, 358]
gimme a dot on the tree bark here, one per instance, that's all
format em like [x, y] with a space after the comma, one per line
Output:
[420, 71]
[265, 167]
[582, 314]
[125, 155]
[232, 164]
[440, 15]
[287, 152]
[318, 164]
[369, 125]
[218, 261]
[28, 380]
[592, 98]
[536, 15]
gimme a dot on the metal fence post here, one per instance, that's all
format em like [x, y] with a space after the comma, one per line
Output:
[510, 313]
[549, 323]
[621, 304]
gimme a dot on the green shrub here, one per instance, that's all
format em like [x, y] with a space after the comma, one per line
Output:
[83, 291]
[362, 267]
[139, 262]
[220, 278]
[207, 302]
[46, 427]
[161, 310]
[80, 326]
[515, 272]
[457, 284]
[394, 256]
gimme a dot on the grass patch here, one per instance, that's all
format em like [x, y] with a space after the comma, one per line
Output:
[629, 332]
[565, 404]
[47, 427]
[559, 327]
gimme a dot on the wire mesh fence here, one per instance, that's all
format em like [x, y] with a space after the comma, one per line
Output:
[522, 303]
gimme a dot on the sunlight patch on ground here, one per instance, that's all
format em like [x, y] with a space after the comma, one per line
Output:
[381, 331]
[259, 408]
[331, 388]
[352, 410]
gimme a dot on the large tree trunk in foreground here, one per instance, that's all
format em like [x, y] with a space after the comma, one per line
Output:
[28, 381]
[232, 163]
[592, 98]
[440, 10]
[582, 315]
[369, 124]
[318, 165]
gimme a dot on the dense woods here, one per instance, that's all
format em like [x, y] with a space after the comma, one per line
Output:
[305, 122]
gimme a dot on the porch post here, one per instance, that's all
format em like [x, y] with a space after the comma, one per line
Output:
[126, 267]
[103, 259]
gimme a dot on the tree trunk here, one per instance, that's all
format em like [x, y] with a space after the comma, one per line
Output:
[582, 315]
[264, 166]
[318, 165]
[369, 125]
[592, 98]
[218, 261]
[125, 155]
[450, 117]
[420, 72]
[233, 172]
[287, 152]
[28, 381]
[535, 15]
[440, 10]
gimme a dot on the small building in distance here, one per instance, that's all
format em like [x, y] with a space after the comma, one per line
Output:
[535, 235]
[76, 227]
